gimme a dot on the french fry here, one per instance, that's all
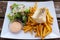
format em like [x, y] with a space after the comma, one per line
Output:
[47, 26]
[48, 20]
[35, 29]
[50, 27]
[38, 31]
[41, 29]
[49, 14]
[27, 29]
[48, 32]
[44, 31]
[33, 24]
[51, 19]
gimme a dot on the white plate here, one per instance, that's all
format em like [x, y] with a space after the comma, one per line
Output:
[21, 35]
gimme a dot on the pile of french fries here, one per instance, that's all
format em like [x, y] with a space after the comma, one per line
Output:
[41, 29]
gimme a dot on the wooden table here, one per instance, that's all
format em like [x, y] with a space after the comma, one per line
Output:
[3, 6]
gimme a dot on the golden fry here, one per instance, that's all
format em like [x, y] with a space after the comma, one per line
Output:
[27, 29]
[51, 19]
[48, 20]
[47, 26]
[40, 29]
[49, 14]
[48, 33]
[44, 31]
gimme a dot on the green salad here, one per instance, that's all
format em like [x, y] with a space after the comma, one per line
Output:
[18, 12]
